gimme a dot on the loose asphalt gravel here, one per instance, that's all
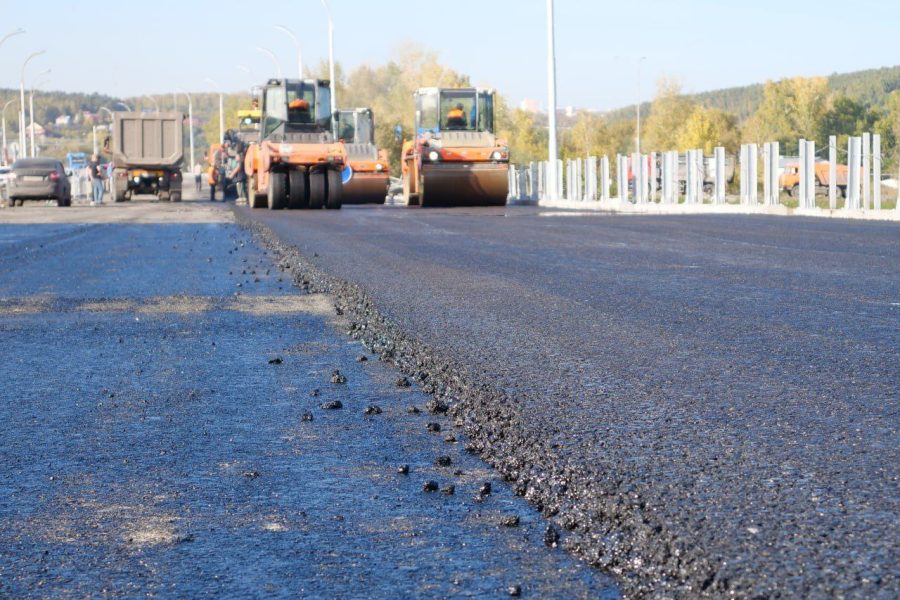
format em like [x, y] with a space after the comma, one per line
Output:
[173, 425]
[706, 405]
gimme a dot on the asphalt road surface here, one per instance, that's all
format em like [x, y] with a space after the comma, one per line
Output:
[164, 432]
[705, 404]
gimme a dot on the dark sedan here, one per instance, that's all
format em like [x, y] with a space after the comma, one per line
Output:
[39, 179]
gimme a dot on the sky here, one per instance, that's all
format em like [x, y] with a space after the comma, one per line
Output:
[130, 48]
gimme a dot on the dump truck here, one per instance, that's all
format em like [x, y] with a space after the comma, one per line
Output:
[297, 161]
[455, 158]
[789, 180]
[147, 150]
[367, 176]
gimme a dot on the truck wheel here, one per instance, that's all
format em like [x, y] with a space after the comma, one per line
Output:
[795, 191]
[175, 197]
[842, 192]
[163, 196]
[318, 190]
[335, 190]
[708, 188]
[298, 190]
[11, 203]
[277, 190]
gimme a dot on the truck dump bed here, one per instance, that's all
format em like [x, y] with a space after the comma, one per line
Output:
[147, 140]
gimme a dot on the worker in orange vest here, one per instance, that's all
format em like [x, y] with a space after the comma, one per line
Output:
[456, 117]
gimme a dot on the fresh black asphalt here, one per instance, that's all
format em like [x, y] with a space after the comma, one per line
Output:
[164, 433]
[705, 404]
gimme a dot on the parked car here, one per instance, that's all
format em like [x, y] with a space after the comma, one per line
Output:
[39, 179]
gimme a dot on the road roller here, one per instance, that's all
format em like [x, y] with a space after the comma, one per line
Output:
[297, 161]
[367, 176]
[455, 158]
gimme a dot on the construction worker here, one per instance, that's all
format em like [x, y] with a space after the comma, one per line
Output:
[456, 117]
[298, 111]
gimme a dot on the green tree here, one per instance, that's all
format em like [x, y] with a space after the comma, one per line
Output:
[668, 113]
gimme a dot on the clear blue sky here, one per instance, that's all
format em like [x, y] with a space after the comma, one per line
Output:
[128, 48]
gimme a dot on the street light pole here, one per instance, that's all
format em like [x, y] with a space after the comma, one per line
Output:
[23, 141]
[215, 85]
[293, 37]
[274, 58]
[637, 144]
[190, 123]
[5, 155]
[553, 151]
[331, 66]
[18, 31]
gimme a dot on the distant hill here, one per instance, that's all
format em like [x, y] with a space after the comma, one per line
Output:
[870, 87]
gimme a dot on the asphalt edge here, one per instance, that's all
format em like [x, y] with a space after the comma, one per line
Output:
[624, 537]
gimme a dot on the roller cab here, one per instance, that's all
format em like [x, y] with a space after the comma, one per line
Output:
[456, 158]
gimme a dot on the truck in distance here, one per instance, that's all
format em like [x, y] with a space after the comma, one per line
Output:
[147, 152]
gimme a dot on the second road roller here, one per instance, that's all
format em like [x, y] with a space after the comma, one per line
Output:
[455, 158]
[367, 176]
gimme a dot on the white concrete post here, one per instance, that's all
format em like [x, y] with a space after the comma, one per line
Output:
[744, 163]
[689, 178]
[522, 187]
[720, 175]
[767, 177]
[832, 172]
[604, 178]
[876, 170]
[753, 155]
[854, 147]
[866, 170]
[775, 171]
[636, 185]
[810, 174]
[534, 176]
[801, 200]
[559, 179]
[646, 176]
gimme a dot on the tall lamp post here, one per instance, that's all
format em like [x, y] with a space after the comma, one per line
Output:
[272, 56]
[5, 154]
[553, 150]
[331, 65]
[31, 107]
[18, 31]
[215, 85]
[190, 123]
[22, 139]
[293, 37]
[637, 139]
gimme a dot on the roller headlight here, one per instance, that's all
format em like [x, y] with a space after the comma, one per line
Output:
[434, 156]
[497, 155]
[379, 167]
